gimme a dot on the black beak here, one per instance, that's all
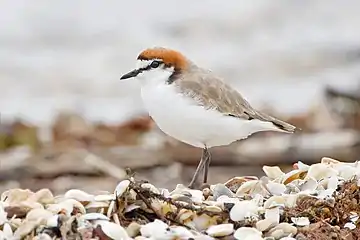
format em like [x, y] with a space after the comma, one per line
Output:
[131, 74]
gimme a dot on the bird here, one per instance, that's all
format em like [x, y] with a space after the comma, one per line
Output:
[193, 105]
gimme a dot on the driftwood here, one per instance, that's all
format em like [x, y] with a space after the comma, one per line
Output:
[255, 151]
[279, 149]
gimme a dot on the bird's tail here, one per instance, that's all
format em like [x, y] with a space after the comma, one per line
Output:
[284, 126]
[279, 124]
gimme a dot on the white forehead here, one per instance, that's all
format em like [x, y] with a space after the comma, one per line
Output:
[142, 63]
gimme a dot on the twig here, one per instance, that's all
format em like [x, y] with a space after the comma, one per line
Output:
[105, 166]
[148, 204]
[179, 205]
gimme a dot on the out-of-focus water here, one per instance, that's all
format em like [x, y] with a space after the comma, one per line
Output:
[70, 54]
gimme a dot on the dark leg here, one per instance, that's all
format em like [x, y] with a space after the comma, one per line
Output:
[199, 168]
[206, 165]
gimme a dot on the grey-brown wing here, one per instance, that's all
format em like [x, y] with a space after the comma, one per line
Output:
[213, 93]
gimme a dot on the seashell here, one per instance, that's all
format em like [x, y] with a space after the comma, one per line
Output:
[273, 172]
[94, 216]
[309, 186]
[265, 224]
[96, 205]
[300, 221]
[38, 215]
[67, 206]
[276, 188]
[121, 188]
[319, 171]
[24, 229]
[332, 183]
[131, 207]
[150, 187]
[15, 222]
[182, 198]
[350, 225]
[7, 231]
[165, 192]
[354, 217]
[287, 238]
[112, 230]
[273, 214]
[43, 196]
[104, 197]
[247, 233]
[202, 222]
[327, 193]
[195, 195]
[294, 186]
[226, 199]
[79, 195]
[52, 221]
[29, 204]
[3, 215]
[42, 236]
[258, 199]
[22, 208]
[346, 171]
[282, 230]
[302, 166]
[185, 215]
[153, 228]
[142, 238]
[252, 188]
[246, 187]
[178, 232]
[212, 208]
[290, 200]
[220, 189]
[111, 209]
[133, 229]
[275, 201]
[220, 230]
[16, 195]
[243, 209]
[293, 175]
[330, 161]
[234, 183]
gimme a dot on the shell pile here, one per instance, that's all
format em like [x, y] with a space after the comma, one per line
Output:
[276, 206]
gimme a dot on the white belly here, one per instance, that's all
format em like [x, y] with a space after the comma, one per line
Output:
[179, 117]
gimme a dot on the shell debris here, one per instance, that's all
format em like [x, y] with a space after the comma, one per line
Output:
[279, 205]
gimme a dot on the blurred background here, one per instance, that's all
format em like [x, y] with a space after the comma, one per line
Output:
[68, 122]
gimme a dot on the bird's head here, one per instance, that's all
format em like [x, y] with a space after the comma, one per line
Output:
[158, 65]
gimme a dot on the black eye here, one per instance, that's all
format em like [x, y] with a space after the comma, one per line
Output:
[155, 64]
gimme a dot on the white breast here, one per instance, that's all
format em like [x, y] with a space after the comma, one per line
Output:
[180, 117]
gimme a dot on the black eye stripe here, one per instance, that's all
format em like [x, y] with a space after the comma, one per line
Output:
[148, 67]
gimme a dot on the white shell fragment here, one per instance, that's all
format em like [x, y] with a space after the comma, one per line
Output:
[121, 188]
[247, 233]
[79, 195]
[350, 226]
[282, 230]
[220, 230]
[273, 172]
[112, 230]
[300, 221]
[243, 209]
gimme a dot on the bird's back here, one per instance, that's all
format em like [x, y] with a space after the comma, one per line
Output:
[212, 92]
